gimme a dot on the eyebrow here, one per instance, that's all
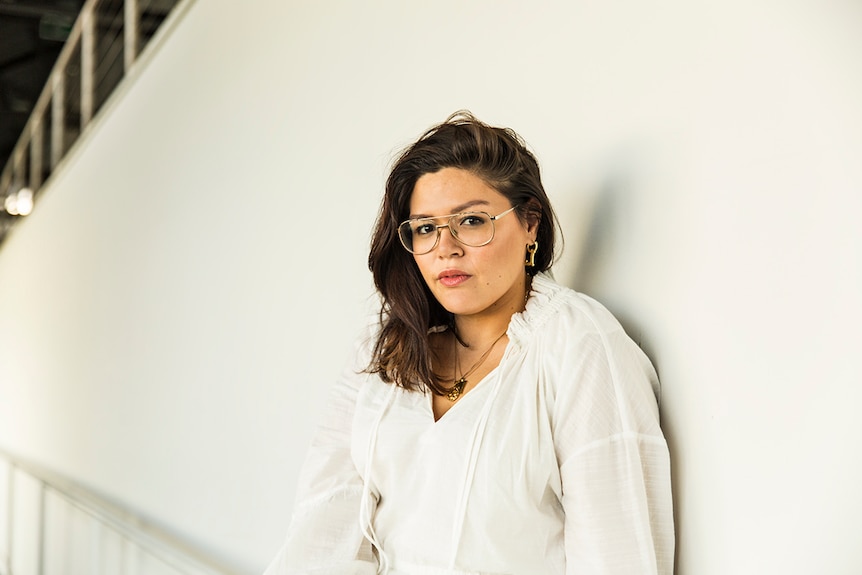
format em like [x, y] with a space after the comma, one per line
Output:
[458, 209]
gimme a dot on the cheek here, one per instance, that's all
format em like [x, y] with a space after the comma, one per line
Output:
[515, 250]
[503, 263]
[424, 270]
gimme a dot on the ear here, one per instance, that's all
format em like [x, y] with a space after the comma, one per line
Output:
[532, 218]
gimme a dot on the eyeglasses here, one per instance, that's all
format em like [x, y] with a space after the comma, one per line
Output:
[475, 229]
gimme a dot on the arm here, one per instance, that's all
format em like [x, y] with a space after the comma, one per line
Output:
[613, 459]
[325, 537]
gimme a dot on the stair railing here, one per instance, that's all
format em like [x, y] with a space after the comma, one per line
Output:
[50, 525]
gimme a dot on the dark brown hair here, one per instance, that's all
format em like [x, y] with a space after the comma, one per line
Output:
[500, 158]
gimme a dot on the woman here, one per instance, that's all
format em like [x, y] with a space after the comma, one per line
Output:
[494, 421]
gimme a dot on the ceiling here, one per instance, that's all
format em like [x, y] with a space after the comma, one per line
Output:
[32, 33]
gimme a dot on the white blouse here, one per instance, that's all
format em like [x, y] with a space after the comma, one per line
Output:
[553, 464]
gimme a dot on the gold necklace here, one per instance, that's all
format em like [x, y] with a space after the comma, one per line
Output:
[457, 388]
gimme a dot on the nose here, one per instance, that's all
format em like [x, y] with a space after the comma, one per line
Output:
[448, 244]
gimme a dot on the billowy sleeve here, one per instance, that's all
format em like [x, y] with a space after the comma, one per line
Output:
[613, 457]
[325, 536]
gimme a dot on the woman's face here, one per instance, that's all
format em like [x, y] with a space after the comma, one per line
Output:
[472, 281]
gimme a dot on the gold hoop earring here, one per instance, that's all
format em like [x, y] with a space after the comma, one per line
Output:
[530, 261]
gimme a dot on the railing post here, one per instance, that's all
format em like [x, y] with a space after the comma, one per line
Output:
[58, 116]
[88, 62]
[131, 558]
[19, 167]
[95, 563]
[10, 517]
[43, 519]
[37, 149]
[130, 34]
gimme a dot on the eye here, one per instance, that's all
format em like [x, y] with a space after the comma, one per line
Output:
[472, 220]
[424, 228]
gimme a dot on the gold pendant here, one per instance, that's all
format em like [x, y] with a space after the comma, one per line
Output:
[457, 388]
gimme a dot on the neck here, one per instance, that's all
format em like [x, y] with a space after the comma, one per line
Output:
[479, 330]
[475, 333]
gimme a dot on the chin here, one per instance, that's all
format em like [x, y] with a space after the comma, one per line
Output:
[455, 305]
[461, 307]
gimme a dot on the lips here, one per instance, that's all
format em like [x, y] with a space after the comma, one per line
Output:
[452, 278]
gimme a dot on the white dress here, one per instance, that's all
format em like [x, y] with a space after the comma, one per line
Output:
[553, 464]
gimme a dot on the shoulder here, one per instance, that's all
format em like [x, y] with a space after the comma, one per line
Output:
[558, 313]
[578, 342]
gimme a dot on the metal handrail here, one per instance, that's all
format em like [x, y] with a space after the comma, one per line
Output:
[51, 129]
[139, 535]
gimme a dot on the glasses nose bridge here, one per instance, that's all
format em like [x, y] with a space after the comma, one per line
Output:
[449, 225]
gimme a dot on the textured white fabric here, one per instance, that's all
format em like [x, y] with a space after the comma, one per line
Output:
[553, 464]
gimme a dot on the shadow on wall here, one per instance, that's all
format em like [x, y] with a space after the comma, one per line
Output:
[602, 229]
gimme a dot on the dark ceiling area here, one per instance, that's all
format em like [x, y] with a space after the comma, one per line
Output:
[32, 33]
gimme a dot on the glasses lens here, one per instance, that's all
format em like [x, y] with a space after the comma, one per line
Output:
[418, 236]
[473, 228]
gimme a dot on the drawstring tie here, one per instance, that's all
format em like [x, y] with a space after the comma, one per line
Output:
[475, 445]
[365, 505]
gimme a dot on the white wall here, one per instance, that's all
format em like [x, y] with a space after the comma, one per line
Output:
[190, 281]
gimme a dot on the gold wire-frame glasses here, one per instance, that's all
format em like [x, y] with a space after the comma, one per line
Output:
[475, 229]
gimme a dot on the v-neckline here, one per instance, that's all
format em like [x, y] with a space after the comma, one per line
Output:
[481, 384]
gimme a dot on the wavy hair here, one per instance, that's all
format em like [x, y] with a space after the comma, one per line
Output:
[408, 311]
